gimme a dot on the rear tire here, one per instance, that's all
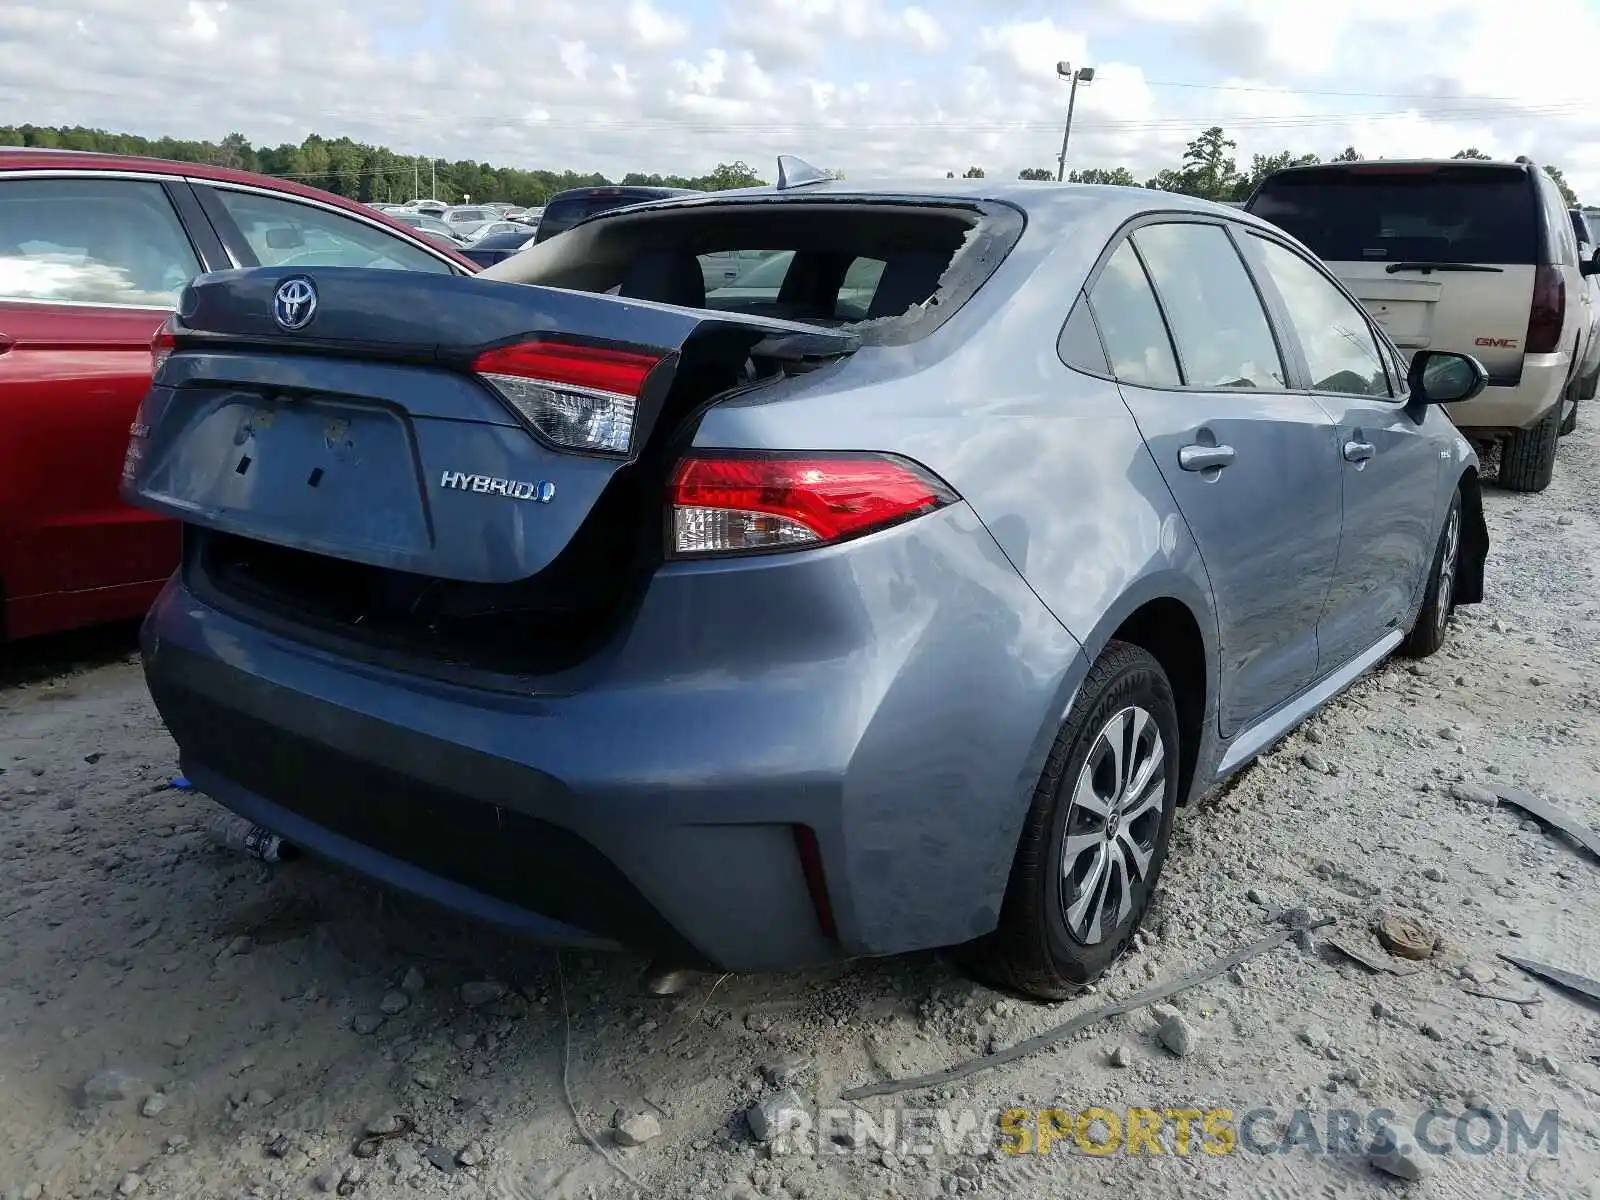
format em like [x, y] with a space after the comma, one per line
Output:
[1096, 835]
[1528, 462]
[1439, 601]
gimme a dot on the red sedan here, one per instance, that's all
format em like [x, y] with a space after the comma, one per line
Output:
[94, 250]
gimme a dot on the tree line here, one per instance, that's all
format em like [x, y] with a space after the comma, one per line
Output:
[362, 172]
[1209, 170]
[377, 174]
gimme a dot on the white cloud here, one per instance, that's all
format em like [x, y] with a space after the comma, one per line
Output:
[872, 87]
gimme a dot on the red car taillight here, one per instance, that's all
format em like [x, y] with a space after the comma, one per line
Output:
[163, 343]
[732, 503]
[1549, 311]
[582, 397]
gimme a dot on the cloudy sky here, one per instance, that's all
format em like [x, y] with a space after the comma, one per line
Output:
[870, 87]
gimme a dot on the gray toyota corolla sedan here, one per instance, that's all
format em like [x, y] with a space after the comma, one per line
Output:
[893, 600]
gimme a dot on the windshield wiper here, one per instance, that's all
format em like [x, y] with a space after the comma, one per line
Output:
[1426, 267]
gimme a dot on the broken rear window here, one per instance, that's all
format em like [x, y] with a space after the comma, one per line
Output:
[892, 270]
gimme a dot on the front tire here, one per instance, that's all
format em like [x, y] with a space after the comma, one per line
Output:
[1096, 835]
[1439, 601]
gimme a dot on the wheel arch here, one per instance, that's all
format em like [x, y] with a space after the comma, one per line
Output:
[1171, 617]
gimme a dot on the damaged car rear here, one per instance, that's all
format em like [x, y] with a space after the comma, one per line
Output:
[745, 618]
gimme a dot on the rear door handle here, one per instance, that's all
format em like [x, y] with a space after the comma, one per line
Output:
[1204, 458]
[1356, 451]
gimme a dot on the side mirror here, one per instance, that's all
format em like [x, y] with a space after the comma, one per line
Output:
[1591, 265]
[1444, 377]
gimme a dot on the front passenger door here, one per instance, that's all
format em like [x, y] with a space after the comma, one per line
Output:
[1251, 464]
[1390, 465]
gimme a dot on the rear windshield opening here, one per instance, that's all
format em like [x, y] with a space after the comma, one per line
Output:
[1448, 214]
[892, 270]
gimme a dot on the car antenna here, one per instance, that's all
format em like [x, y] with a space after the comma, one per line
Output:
[797, 172]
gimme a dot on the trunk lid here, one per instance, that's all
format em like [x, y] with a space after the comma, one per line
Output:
[374, 429]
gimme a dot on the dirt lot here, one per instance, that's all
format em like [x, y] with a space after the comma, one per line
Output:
[179, 1021]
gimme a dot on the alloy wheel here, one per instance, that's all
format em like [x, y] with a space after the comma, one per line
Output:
[1112, 825]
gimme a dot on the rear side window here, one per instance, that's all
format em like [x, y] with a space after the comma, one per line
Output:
[1130, 322]
[284, 233]
[92, 241]
[1224, 340]
[1407, 214]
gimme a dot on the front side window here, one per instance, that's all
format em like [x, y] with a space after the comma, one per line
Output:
[1224, 340]
[92, 241]
[286, 233]
[1340, 349]
[1130, 322]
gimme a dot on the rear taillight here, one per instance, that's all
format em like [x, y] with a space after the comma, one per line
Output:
[580, 397]
[1549, 311]
[163, 343]
[727, 503]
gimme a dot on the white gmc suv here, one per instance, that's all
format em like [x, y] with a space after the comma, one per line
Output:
[1466, 255]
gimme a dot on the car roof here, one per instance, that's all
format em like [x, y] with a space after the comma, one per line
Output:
[1065, 200]
[38, 158]
[623, 189]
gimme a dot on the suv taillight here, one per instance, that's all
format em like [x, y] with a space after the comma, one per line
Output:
[726, 502]
[1549, 310]
[581, 397]
[163, 343]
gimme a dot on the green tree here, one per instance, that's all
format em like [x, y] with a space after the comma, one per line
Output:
[736, 174]
[1471, 152]
[1114, 176]
[973, 173]
[1037, 174]
[1348, 154]
[1207, 166]
[1567, 194]
[1262, 165]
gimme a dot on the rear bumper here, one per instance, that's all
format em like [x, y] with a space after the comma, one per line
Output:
[1503, 409]
[895, 696]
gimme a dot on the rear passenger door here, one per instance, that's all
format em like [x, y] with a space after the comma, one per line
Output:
[1250, 462]
[1390, 467]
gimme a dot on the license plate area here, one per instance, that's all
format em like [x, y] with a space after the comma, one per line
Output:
[302, 470]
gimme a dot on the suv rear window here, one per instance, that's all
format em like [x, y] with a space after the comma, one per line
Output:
[1406, 213]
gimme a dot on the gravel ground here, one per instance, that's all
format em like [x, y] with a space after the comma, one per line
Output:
[179, 1021]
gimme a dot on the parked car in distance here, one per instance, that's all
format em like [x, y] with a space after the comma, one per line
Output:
[426, 225]
[720, 633]
[493, 227]
[565, 209]
[1461, 255]
[527, 216]
[94, 251]
[492, 248]
[465, 219]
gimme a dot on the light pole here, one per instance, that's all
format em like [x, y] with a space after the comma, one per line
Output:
[1081, 75]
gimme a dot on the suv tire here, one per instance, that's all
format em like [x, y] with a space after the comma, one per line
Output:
[1528, 461]
[1439, 600]
[1054, 936]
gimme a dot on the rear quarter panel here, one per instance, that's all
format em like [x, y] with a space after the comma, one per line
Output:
[1050, 459]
